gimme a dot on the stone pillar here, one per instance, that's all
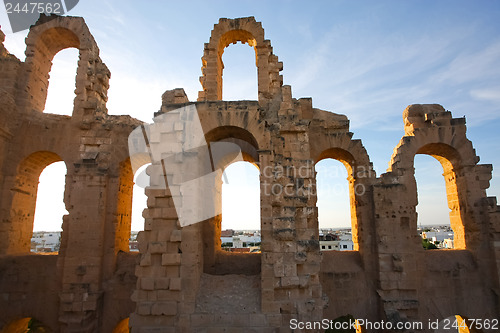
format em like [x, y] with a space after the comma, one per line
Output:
[80, 257]
[92, 83]
[290, 244]
[399, 250]
[168, 249]
[494, 215]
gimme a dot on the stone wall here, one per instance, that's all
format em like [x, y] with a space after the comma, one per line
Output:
[93, 145]
[181, 280]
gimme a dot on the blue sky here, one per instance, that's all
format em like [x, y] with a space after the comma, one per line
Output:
[365, 59]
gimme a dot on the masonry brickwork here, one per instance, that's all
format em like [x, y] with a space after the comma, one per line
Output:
[181, 280]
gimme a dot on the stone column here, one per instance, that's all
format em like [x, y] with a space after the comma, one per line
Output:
[290, 246]
[170, 245]
[80, 258]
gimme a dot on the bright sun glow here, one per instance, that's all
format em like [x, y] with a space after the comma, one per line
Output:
[61, 91]
[333, 194]
[240, 73]
[432, 205]
[50, 206]
[241, 197]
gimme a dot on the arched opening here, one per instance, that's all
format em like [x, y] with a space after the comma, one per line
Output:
[122, 326]
[234, 148]
[337, 223]
[24, 197]
[49, 209]
[449, 231]
[432, 209]
[26, 325]
[240, 224]
[334, 215]
[61, 84]
[246, 31]
[239, 73]
[42, 48]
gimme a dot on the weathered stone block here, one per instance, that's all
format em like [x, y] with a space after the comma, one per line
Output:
[144, 308]
[169, 259]
[175, 284]
[291, 278]
[289, 281]
[147, 283]
[162, 283]
[157, 247]
[176, 236]
[164, 308]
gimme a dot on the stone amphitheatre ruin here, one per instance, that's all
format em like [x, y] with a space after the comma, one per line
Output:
[181, 281]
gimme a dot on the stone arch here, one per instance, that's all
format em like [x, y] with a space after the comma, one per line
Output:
[349, 152]
[451, 162]
[23, 202]
[240, 120]
[230, 31]
[353, 155]
[456, 187]
[242, 138]
[430, 130]
[46, 38]
[432, 125]
[215, 260]
[357, 188]
[341, 155]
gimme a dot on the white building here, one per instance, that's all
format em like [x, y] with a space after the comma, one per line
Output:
[346, 245]
[442, 239]
[448, 243]
[336, 242]
[241, 240]
[329, 245]
[43, 241]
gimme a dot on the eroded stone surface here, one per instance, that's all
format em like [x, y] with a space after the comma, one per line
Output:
[181, 281]
[231, 293]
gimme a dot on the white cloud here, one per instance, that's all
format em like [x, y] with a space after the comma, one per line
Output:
[491, 94]
[481, 65]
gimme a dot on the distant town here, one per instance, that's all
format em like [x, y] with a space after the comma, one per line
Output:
[46, 241]
[335, 240]
[248, 241]
[436, 236]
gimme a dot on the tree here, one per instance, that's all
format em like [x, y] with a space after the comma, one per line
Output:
[426, 244]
